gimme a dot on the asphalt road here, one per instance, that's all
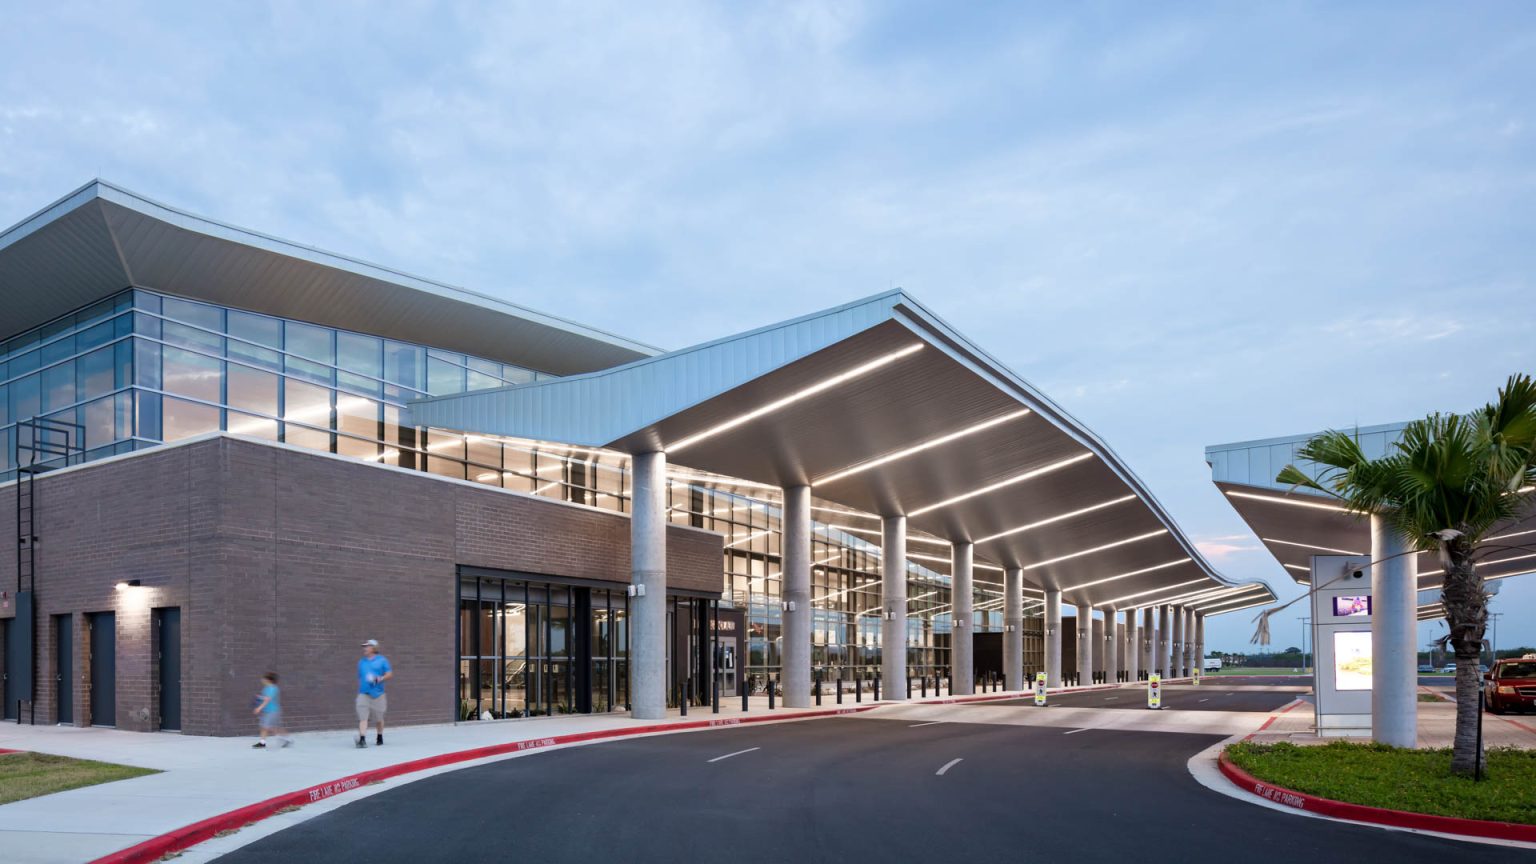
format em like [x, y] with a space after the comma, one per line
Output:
[841, 790]
[1206, 697]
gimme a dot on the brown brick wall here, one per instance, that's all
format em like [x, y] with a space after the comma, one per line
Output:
[284, 560]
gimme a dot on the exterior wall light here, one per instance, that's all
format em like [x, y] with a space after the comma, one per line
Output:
[127, 583]
[637, 590]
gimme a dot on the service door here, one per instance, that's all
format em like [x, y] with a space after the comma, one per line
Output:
[168, 653]
[11, 673]
[64, 668]
[103, 627]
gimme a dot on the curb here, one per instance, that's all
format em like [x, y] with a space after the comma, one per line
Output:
[188, 836]
[1374, 815]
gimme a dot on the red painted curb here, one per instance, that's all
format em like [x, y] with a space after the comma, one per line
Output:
[191, 835]
[1375, 815]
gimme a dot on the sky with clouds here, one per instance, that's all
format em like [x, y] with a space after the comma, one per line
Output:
[1189, 223]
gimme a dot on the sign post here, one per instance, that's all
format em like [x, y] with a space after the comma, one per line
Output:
[1155, 691]
[1040, 689]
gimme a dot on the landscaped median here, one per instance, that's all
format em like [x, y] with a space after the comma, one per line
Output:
[1392, 786]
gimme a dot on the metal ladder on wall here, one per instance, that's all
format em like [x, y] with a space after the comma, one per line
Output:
[41, 445]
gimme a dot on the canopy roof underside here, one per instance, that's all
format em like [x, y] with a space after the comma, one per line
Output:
[882, 408]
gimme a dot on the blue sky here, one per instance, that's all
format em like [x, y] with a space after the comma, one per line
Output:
[1192, 224]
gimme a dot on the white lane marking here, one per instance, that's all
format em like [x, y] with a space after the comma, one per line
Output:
[1110, 698]
[1204, 700]
[1075, 731]
[934, 723]
[947, 765]
[729, 755]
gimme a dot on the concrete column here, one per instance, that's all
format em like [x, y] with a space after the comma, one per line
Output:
[1111, 645]
[1132, 645]
[1163, 660]
[893, 587]
[1394, 625]
[797, 597]
[1084, 645]
[1200, 640]
[1147, 649]
[962, 640]
[1178, 641]
[648, 574]
[1013, 628]
[1052, 637]
[1191, 655]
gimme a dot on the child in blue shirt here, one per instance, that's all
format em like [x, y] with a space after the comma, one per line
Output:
[269, 713]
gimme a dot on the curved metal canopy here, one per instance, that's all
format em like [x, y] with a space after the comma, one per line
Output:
[881, 407]
[101, 239]
[1296, 524]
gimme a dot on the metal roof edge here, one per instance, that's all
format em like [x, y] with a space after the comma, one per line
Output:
[1300, 438]
[51, 213]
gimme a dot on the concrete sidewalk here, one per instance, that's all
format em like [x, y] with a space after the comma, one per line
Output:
[1437, 728]
[204, 777]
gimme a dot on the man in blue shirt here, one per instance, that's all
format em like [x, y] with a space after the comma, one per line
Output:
[373, 670]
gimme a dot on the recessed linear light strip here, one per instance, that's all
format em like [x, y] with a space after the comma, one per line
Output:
[1316, 505]
[1058, 518]
[1306, 570]
[1027, 475]
[1118, 600]
[1310, 546]
[1227, 597]
[1238, 609]
[902, 454]
[1512, 534]
[1150, 534]
[1230, 594]
[1220, 607]
[775, 405]
[1154, 567]
[1203, 595]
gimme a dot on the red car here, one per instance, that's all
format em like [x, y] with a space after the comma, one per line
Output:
[1511, 685]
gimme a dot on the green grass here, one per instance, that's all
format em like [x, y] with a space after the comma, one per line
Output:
[28, 775]
[1430, 697]
[1256, 670]
[1399, 779]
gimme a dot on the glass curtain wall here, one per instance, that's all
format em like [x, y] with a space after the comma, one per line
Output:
[528, 649]
[140, 369]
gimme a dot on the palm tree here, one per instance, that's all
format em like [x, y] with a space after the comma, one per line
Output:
[1444, 487]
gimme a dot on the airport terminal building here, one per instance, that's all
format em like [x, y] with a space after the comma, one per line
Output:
[224, 454]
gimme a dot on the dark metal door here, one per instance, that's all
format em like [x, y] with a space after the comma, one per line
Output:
[64, 668]
[168, 649]
[103, 627]
[11, 674]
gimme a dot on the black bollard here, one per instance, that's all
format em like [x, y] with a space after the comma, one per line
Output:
[858, 688]
[839, 687]
[877, 688]
[909, 686]
[744, 694]
[771, 690]
[714, 695]
[925, 686]
[818, 690]
[682, 701]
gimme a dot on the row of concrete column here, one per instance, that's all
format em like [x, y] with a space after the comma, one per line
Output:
[1145, 648]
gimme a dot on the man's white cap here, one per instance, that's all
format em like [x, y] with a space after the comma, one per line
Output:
[373, 642]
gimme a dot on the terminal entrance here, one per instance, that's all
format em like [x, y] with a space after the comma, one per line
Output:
[533, 646]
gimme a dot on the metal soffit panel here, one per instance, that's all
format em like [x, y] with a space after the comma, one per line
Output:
[1293, 533]
[915, 389]
[101, 238]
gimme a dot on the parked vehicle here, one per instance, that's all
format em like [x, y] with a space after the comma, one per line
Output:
[1426, 667]
[1448, 669]
[1511, 686]
[1212, 664]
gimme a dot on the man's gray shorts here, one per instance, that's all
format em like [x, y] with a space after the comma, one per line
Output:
[271, 719]
[370, 709]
